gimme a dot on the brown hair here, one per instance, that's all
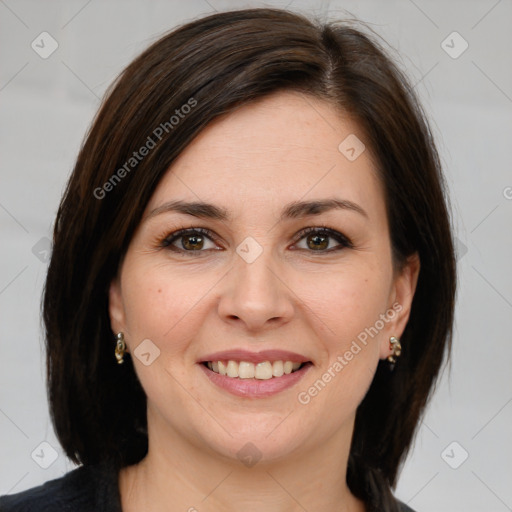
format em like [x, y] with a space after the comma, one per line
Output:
[214, 65]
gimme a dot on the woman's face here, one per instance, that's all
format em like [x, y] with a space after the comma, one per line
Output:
[252, 280]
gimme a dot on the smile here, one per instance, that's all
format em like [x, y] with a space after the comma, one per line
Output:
[238, 381]
[246, 370]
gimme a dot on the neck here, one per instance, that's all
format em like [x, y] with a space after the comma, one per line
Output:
[180, 475]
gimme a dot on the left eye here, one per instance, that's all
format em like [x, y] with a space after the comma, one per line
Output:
[318, 239]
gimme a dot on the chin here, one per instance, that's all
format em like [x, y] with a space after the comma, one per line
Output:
[253, 443]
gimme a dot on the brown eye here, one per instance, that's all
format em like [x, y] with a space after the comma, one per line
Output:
[317, 242]
[319, 239]
[192, 242]
[189, 240]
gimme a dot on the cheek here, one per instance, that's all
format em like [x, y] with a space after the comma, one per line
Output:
[161, 305]
[346, 302]
[348, 308]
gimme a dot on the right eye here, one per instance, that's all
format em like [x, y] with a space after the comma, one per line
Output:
[192, 240]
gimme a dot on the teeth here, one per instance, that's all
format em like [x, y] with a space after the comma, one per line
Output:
[263, 371]
[277, 369]
[232, 369]
[245, 370]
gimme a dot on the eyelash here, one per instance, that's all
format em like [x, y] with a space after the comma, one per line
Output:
[344, 241]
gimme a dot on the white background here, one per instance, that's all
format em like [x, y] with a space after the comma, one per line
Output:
[46, 105]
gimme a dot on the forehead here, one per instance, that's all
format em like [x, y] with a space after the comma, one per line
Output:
[277, 150]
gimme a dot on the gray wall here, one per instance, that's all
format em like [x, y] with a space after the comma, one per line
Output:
[47, 104]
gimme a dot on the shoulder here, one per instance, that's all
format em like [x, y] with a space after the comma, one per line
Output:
[82, 489]
[404, 508]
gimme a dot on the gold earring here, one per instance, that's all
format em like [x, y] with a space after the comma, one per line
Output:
[394, 345]
[120, 348]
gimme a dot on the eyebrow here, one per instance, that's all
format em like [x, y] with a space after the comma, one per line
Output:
[294, 210]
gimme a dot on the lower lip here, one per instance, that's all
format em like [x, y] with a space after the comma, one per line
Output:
[256, 388]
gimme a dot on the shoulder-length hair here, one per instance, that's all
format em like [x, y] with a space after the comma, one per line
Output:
[168, 94]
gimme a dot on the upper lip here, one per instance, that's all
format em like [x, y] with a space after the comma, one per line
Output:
[254, 357]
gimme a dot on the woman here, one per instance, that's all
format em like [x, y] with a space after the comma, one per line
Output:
[252, 282]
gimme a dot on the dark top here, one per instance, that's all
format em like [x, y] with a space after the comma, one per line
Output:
[84, 489]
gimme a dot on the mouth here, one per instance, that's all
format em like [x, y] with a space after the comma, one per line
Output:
[250, 375]
[264, 370]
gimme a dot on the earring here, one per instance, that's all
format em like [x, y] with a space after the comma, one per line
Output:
[120, 348]
[394, 345]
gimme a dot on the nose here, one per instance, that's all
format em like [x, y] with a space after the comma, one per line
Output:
[256, 295]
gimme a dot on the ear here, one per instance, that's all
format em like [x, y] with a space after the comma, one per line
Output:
[116, 307]
[401, 296]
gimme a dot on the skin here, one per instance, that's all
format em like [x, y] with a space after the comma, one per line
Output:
[253, 162]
